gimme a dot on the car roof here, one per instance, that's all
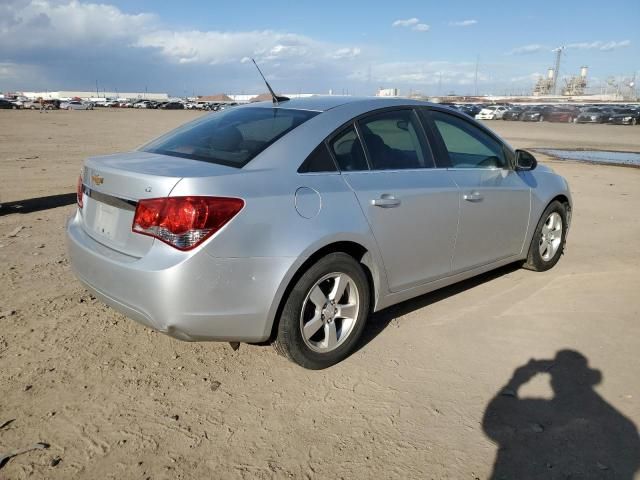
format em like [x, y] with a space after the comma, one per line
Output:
[322, 103]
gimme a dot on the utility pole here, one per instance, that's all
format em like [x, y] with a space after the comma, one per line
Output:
[476, 78]
[97, 92]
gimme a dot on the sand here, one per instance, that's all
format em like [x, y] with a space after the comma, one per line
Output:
[116, 400]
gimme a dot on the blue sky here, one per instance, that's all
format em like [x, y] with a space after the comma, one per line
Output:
[202, 46]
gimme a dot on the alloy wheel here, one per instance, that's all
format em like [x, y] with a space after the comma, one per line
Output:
[329, 312]
[551, 236]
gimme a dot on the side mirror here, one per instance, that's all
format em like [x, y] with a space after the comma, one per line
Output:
[525, 161]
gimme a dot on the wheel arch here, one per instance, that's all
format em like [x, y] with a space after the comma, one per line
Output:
[359, 252]
[566, 202]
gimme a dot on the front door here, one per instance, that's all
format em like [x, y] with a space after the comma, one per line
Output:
[494, 199]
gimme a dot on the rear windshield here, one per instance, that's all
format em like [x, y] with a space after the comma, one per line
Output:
[231, 137]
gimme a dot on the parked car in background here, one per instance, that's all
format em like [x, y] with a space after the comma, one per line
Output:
[471, 109]
[17, 104]
[593, 115]
[513, 113]
[173, 106]
[76, 105]
[494, 112]
[6, 104]
[265, 223]
[625, 116]
[226, 106]
[563, 114]
[142, 104]
[535, 113]
[50, 104]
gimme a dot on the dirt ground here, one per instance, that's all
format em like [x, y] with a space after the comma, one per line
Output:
[422, 398]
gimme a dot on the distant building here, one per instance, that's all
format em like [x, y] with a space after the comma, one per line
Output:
[388, 92]
[65, 95]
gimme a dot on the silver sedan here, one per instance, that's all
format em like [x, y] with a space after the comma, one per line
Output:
[76, 105]
[292, 222]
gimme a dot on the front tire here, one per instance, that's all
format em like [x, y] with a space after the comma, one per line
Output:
[325, 313]
[549, 238]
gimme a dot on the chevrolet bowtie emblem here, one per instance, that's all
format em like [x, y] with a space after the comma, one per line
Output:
[97, 179]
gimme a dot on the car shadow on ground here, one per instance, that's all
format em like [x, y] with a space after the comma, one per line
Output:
[378, 321]
[574, 435]
[38, 204]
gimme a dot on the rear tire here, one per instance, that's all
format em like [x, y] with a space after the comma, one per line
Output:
[549, 238]
[325, 313]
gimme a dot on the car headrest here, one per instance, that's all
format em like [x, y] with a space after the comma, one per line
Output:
[227, 138]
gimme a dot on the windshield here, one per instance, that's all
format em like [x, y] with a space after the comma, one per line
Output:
[232, 137]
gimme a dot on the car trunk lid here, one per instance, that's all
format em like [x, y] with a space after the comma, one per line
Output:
[113, 185]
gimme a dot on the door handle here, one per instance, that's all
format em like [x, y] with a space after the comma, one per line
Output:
[472, 197]
[386, 201]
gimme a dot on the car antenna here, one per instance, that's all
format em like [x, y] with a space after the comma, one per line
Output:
[276, 98]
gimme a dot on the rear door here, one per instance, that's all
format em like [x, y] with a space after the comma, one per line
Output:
[411, 206]
[494, 199]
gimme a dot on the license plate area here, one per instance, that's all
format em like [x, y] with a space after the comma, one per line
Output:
[106, 220]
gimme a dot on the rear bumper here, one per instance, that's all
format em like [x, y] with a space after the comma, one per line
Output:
[190, 297]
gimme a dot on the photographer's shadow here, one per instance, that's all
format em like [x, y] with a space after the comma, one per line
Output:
[575, 435]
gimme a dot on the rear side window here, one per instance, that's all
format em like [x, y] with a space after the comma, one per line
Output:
[232, 137]
[395, 141]
[319, 161]
[467, 145]
[348, 151]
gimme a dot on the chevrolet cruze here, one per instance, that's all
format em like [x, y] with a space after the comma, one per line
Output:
[291, 222]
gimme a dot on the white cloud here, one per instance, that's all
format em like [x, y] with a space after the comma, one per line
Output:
[405, 23]
[532, 77]
[422, 73]
[346, 53]
[55, 24]
[213, 47]
[600, 45]
[412, 23]
[463, 23]
[13, 72]
[49, 24]
[528, 49]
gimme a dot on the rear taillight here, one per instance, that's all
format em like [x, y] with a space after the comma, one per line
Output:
[79, 191]
[184, 222]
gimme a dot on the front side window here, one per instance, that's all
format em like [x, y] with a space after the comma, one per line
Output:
[395, 141]
[232, 137]
[348, 151]
[467, 145]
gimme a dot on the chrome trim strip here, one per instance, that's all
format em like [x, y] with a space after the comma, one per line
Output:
[120, 203]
